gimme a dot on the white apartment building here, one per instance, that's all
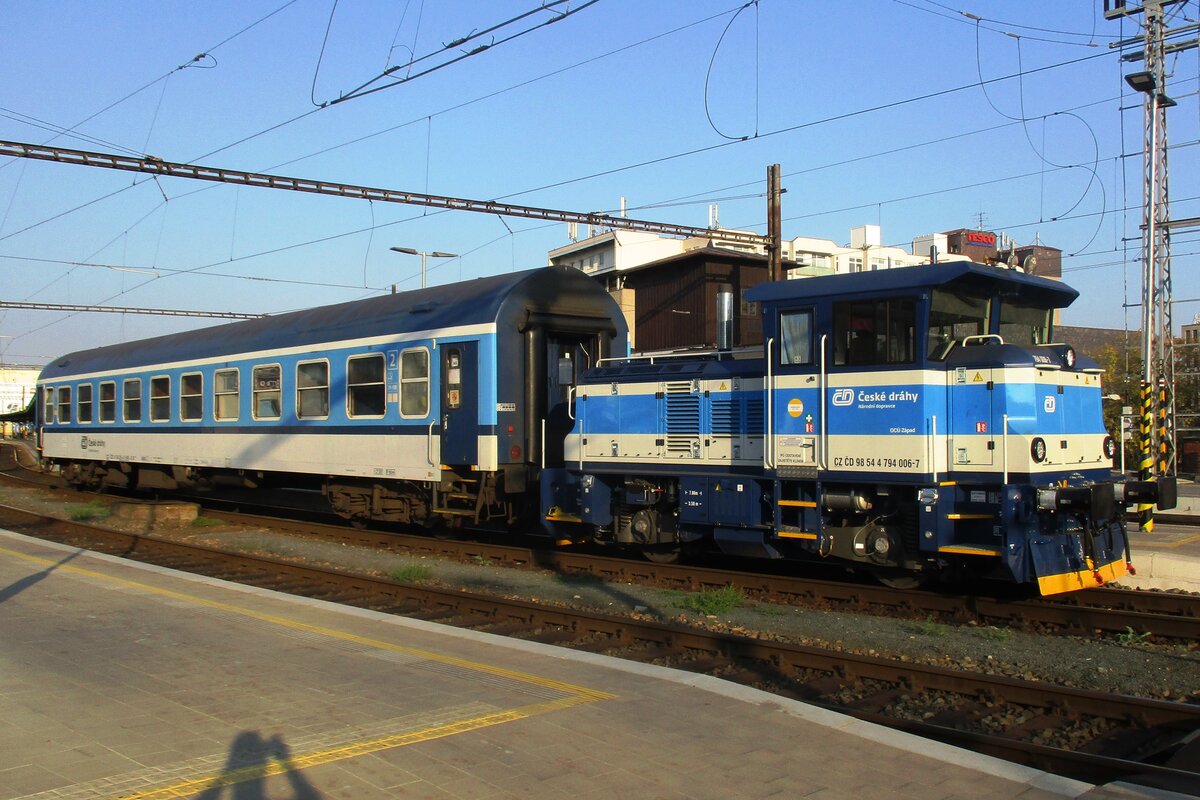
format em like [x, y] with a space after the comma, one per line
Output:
[610, 253]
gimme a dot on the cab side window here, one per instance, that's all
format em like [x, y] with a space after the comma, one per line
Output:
[796, 337]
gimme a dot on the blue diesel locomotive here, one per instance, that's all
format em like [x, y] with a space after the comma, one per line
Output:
[914, 423]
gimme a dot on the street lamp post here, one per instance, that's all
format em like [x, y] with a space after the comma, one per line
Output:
[424, 255]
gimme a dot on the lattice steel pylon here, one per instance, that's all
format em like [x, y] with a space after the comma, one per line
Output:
[1158, 363]
[1158, 371]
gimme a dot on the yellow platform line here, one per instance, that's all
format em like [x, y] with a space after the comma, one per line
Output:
[193, 786]
[1180, 543]
[575, 695]
[535, 680]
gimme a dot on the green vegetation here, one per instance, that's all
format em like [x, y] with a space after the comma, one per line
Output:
[713, 601]
[411, 573]
[930, 627]
[1130, 637]
[996, 634]
[483, 561]
[93, 510]
[205, 522]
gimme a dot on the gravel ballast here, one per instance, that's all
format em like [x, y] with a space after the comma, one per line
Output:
[1124, 664]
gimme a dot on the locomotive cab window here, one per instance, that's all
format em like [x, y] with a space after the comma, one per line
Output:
[874, 332]
[414, 383]
[108, 401]
[1025, 325]
[312, 389]
[160, 399]
[365, 391]
[953, 316]
[131, 395]
[268, 391]
[226, 397]
[796, 337]
[191, 397]
[83, 402]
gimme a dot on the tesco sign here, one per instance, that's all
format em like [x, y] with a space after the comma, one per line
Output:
[982, 239]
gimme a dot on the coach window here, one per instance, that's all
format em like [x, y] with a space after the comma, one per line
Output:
[796, 334]
[312, 389]
[191, 397]
[160, 398]
[83, 402]
[131, 394]
[49, 405]
[364, 386]
[64, 405]
[874, 332]
[414, 383]
[108, 401]
[226, 399]
[268, 391]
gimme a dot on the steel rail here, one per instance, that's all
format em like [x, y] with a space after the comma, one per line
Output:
[1114, 611]
[1168, 615]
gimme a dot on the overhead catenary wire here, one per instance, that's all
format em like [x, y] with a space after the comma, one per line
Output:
[196, 61]
[363, 91]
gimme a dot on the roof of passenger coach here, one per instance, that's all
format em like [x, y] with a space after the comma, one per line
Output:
[950, 274]
[438, 308]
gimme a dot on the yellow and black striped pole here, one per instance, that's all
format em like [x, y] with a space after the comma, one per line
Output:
[1146, 459]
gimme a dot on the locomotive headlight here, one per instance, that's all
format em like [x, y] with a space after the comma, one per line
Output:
[1038, 450]
[1069, 357]
[1110, 448]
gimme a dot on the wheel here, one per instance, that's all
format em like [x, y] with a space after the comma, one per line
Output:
[899, 580]
[662, 554]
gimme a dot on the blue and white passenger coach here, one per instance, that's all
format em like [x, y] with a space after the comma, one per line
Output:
[435, 404]
[913, 423]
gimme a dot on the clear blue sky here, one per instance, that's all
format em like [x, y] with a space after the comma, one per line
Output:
[606, 103]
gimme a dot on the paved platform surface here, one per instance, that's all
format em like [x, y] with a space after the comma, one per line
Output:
[124, 680]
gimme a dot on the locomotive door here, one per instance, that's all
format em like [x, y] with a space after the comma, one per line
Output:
[973, 427]
[460, 403]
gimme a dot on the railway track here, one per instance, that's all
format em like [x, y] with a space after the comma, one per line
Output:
[1087, 735]
[1113, 611]
[1165, 615]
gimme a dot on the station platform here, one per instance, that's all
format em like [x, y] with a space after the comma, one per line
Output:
[126, 680]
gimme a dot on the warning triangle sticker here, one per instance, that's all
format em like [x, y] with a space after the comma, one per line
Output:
[723, 387]
[978, 378]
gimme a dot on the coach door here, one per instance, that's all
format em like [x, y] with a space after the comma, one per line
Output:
[460, 403]
[567, 355]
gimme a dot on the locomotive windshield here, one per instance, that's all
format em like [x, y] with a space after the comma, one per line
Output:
[953, 316]
[1024, 324]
